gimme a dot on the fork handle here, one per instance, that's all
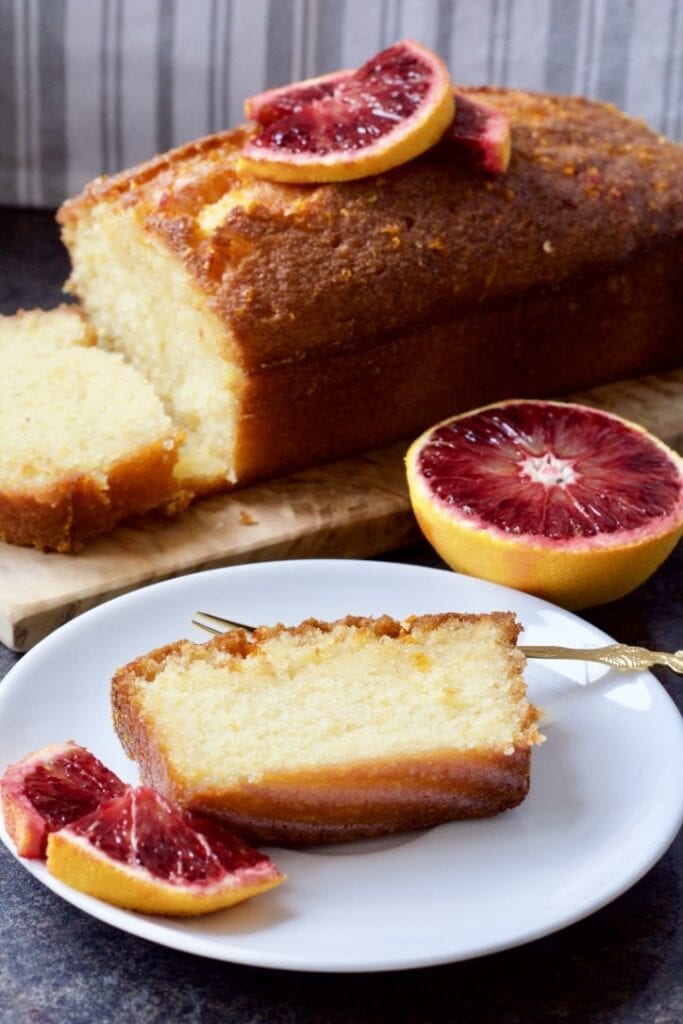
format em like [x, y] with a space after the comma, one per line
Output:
[620, 656]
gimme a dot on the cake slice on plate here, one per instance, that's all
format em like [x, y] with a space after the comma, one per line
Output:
[328, 732]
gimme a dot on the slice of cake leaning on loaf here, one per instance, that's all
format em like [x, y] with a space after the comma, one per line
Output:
[86, 442]
[286, 325]
[328, 732]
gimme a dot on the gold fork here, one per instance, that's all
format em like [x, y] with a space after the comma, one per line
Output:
[620, 656]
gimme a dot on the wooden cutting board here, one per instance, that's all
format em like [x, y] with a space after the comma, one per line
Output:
[354, 509]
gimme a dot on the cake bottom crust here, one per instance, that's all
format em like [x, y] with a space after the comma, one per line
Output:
[72, 511]
[336, 805]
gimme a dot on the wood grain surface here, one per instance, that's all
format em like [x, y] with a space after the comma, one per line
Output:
[353, 509]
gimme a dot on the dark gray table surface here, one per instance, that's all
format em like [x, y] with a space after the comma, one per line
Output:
[621, 965]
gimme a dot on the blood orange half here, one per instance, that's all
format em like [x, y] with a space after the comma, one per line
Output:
[50, 788]
[393, 108]
[567, 502]
[140, 852]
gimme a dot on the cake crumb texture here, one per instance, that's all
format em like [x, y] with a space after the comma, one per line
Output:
[86, 442]
[328, 731]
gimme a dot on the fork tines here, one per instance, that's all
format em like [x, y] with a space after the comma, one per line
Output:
[216, 624]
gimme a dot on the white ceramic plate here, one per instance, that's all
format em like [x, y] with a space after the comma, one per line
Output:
[605, 801]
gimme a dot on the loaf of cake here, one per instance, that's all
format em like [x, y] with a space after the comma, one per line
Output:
[85, 441]
[326, 732]
[286, 325]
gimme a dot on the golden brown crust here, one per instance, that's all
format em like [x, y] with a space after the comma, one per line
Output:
[333, 803]
[617, 325]
[377, 626]
[64, 516]
[362, 312]
[372, 798]
[305, 268]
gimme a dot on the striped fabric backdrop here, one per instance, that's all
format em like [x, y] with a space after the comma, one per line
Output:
[92, 86]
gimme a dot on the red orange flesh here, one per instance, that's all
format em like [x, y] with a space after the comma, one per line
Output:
[481, 133]
[397, 105]
[271, 105]
[569, 503]
[140, 852]
[50, 788]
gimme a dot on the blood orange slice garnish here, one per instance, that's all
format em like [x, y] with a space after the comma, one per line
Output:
[570, 503]
[479, 131]
[393, 108]
[482, 133]
[140, 852]
[50, 788]
[271, 105]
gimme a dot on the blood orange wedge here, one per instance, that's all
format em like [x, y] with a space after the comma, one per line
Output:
[393, 108]
[479, 132]
[563, 501]
[49, 789]
[140, 852]
[482, 133]
[271, 105]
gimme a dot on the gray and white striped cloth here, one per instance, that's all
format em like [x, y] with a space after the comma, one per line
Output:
[92, 86]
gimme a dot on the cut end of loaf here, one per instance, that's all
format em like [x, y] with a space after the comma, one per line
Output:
[144, 304]
[330, 731]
